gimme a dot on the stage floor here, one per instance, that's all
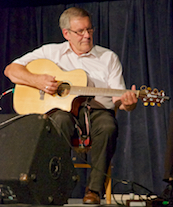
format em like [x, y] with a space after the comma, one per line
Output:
[78, 203]
[71, 203]
[115, 202]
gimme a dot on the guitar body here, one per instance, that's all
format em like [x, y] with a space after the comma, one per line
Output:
[28, 100]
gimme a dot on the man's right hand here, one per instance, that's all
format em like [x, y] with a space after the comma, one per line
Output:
[46, 83]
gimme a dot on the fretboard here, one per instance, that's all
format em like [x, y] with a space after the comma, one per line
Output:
[91, 91]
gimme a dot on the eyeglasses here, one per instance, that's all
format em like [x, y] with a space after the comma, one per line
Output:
[82, 32]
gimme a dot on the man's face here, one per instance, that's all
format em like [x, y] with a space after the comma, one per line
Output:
[80, 43]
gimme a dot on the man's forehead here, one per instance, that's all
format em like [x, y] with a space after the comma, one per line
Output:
[80, 21]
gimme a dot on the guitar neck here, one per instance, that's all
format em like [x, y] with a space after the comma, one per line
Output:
[91, 91]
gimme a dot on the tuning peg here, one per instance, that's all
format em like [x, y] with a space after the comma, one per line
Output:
[158, 104]
[145, 103]
[152, 104]
[149, 89]
[155, 91]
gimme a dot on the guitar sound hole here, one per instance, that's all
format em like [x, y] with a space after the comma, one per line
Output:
[63, 89]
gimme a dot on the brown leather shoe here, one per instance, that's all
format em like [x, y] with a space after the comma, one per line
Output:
[91, 198]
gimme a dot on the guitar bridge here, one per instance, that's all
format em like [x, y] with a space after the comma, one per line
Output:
[41, 94]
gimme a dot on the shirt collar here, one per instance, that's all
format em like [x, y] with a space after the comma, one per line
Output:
[92, 52]
[67, 48]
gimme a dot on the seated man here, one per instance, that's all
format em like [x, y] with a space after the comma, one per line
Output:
[103, 69]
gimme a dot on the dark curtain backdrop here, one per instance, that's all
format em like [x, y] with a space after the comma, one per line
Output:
[140, 32]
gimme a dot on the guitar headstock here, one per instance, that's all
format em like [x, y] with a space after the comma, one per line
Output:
[154, 97]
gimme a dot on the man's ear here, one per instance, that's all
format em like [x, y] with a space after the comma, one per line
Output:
[65, 34]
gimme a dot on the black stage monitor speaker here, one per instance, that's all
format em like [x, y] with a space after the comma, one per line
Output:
[35, 163]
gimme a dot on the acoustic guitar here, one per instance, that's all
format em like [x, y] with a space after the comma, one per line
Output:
[71, 92]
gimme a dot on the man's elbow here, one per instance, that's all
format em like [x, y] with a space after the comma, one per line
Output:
[6, 71]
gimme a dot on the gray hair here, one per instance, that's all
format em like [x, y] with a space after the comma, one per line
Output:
[68, 14]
